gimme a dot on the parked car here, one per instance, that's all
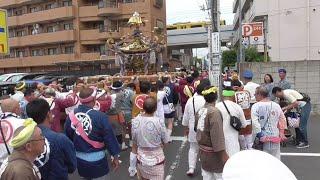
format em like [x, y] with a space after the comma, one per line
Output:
[7, 88]
[12, 77]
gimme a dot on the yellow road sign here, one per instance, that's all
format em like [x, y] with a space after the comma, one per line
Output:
[4, 47]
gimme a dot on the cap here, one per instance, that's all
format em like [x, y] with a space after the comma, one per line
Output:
[228, 93]
[282, 71]
[117, 85]
[247, 74]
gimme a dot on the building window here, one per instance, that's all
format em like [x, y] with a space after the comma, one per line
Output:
[33, 9]
[19, 53]
[11, 33]
[52, 51]
[95, 49]
[10, 12]
[158, 3]
[68, 50]
[49, 6]
[36, 52]
[51, 29]
[68, 26]
[160, 24]
[127, 1]
[18, 12]
[97, 25]
[123, 23]
[21, 33]
[12, 53]
[67, 3]
[102, 49]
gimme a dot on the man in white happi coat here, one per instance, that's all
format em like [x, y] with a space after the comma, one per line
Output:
[230, 134]
[249, 85]
[9, 122]
[193, 105]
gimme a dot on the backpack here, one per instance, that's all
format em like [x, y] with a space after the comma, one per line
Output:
[305, 98]
[235, 122]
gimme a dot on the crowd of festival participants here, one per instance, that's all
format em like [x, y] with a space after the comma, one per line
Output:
[48, 132]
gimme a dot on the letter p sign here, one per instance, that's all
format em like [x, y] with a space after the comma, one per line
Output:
[247, 30]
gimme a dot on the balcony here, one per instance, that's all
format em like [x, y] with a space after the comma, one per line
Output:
[90, 56]
[44, 38]
[95, 36]
[35, 60]
[105, 35]
[42, 16]
[236, 21]
[138, 6]
[8, 3]
[89, 13]
[108, 9]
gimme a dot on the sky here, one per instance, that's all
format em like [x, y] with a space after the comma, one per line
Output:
[190, 10]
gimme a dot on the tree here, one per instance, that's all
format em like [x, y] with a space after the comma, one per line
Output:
[229, 58]
[252, 55]
[196, 60]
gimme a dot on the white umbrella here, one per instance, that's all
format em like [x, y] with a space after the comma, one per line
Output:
[256, 165]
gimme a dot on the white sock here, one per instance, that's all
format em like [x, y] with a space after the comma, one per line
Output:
[133, 160]
[169, 132]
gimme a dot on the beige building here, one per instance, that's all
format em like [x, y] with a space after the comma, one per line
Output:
[67, 35]
[291, 27]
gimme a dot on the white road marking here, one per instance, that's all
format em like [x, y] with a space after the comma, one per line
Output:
[183, 138]
[178, 138]
[176, 162]
[301, 154]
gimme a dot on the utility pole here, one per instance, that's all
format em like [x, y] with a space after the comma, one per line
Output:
[242, 53]
[265, 26]
[216, 64]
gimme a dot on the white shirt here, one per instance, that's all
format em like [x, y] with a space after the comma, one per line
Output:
[18, 96]
[9, 125]
[267, 114]
[189, 116]
[160, 111]
[293, 96]
[149, 132]
[230, 134]
[251, 87]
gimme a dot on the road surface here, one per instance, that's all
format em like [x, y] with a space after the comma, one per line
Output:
[304, 163]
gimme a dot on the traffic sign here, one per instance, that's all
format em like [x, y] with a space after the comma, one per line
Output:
[4, 47]
[215, 43]
[253, 31]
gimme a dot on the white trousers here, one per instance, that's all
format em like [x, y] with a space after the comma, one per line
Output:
[246, 142]
[193, 155]
[272, 148]
[210, 175]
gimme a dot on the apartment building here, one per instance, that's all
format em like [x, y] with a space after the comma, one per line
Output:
[291, 27]
[71, 35]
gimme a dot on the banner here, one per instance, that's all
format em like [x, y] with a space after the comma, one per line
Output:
[4, 48]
